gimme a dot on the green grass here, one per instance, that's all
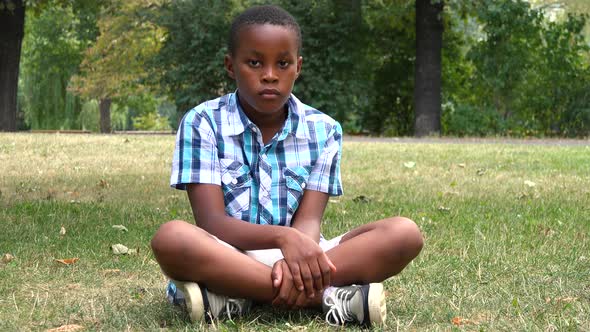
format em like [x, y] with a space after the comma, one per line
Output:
[499, 253]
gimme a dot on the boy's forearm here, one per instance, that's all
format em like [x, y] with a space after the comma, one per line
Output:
[244, 235]
[310, 228]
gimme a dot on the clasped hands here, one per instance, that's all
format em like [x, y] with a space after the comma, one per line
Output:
[303, 273]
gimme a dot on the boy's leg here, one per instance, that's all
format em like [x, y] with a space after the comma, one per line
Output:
[376, 251]
[188, 253]
[369, 253]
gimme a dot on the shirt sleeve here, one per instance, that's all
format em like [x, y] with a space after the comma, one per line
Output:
[195, 155]
[325, 174]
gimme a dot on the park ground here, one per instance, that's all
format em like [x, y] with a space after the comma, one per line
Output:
[506, 227]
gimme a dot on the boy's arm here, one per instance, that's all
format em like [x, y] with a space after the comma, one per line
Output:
[308, 217]
[307, 220]
[209, 211]
[306, 260]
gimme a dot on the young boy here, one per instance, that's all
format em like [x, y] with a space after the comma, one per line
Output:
[259, 167]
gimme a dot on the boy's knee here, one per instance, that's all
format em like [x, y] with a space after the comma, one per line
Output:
[405, 231]
[167, 236]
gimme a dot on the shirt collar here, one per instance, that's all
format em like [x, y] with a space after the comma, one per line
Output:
[237, 120]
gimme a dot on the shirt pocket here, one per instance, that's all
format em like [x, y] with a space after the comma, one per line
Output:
[296, 182]
[236, 183]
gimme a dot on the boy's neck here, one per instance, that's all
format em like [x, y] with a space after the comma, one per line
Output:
[269, 124]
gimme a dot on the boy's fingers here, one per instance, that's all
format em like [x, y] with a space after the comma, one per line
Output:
[307, 279]
[332, 266]
[277, 274]
[284, 291]
[317, 275]
[301, 301]
[292, 299]
[296, 272]
[327, 269]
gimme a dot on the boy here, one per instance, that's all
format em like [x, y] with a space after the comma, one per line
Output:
[259, 167]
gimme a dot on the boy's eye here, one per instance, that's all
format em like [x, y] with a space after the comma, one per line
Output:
[283, 64]
[254, 63]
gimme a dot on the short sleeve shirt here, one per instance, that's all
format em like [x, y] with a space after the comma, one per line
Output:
[262, 183]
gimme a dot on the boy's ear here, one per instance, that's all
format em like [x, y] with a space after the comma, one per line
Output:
[229, 66]
[299, 63]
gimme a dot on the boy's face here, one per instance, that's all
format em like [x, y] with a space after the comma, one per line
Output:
[265, 66]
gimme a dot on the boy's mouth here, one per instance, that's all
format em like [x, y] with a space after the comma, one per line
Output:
[269, 93]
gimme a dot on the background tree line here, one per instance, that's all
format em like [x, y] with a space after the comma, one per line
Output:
[508, 67]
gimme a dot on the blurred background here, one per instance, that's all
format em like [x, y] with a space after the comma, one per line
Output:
[384, 67]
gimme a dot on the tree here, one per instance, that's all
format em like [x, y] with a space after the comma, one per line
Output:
[114, 66]
[189, 67]
[52, 51]
[427, 83]
[12, 22]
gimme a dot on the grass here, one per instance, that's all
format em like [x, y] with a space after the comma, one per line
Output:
[501, 253]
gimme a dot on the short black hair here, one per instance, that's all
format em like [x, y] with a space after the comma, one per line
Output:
[260, 15]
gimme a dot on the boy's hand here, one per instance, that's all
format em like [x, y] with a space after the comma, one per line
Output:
[286, 294]
[308, 263]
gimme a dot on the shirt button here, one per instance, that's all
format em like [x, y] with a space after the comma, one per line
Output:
[263, 157]
[234, 181]
[303, 185]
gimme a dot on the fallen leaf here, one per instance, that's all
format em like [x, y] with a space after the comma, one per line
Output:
[481, 171]
[68, 261]
[444, 209]
[461, 321]
[461, 165]
[103, 184]
[7, 258]
[67, 328]
[62, 231]
[119, 249]
[120, 228]
[566, 299]
[111, 271]
[530, 183]
[409, 164]
[457, 321]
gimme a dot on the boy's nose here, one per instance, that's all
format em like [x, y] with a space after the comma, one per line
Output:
[269, 75]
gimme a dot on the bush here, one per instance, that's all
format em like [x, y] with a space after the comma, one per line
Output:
[466, 120]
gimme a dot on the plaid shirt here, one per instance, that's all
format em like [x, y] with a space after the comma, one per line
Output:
[262, 183]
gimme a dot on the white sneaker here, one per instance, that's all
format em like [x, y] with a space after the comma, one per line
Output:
[364, 304]
[202, 304]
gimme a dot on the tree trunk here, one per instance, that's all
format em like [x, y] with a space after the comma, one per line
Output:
[427, 84]
[105, 115]
[11, 35]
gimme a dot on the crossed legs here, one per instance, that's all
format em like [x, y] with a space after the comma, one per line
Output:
[370, 253]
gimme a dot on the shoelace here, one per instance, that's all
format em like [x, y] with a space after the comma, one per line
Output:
[340, 311]
[234, 306]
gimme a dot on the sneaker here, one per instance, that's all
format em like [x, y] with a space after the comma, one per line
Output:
[364, 304]
[202, 304]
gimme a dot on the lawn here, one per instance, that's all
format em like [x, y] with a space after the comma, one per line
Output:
[506, 227]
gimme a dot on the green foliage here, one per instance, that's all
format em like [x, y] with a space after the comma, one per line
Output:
[151, 121]
[189, 67]
[52, 51]
[390, 60]
[507, 67]
[522, 67]
[332, 76]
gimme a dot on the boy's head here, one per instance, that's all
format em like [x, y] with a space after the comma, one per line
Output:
[264, 60]
[260, 15]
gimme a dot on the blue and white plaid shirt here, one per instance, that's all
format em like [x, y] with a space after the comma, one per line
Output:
[262, 183]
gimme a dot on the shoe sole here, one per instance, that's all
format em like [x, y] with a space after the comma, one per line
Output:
[377, 304]
[193, 298]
